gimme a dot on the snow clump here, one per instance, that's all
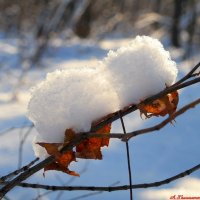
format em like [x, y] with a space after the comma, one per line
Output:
[139, 70]
[72, 98]
[76, 97]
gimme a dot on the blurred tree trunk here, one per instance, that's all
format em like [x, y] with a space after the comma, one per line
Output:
[175, 32]
[157, 6]
[191, 30]
[82, 27]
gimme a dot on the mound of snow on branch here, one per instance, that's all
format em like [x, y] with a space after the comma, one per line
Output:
[139, 70]
[71, 98]
[74, 98]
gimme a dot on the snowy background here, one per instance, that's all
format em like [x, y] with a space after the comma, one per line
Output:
[154, 156]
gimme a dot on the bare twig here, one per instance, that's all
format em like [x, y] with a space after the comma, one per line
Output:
[83, 170]
[36, 168]
[21, 145]
[128, 157]
[133, 108]
[92, 193]
[165, 122]
[112, 188]
[189, 75]
[16, 172]
[77, 140]
[146, 130]
[86, 195]
[81, 137]
[6, 198]
[13, 128]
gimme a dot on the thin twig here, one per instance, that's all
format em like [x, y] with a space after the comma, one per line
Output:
[196, 74]
[189, 75]
[6, 198]
[16, 172]
[111, 188]
[133, 108]
[13, 128]
[76, 141]
[165, 122]
[92, 193]
[71, 179]
[146, 130]
[36, 168]
[50, 159]
[21, 145]
[128, 157]
[86, 195]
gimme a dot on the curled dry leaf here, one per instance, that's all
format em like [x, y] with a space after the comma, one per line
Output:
[62, 160]
[88, 149]
[57, 167]
[160, 107]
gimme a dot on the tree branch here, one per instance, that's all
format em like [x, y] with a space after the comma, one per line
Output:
[189, 75]
[128, 157]
[21, 145]
[133, 107]
[165, 122]
[16, 172]
[14, 127]
[112, 188]
[146, 130]
[77, 140]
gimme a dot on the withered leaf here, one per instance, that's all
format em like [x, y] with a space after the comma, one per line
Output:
[160, 107]
[57, 167]
[62, 161]
[51, 148]
[87, 149]
[91, 147]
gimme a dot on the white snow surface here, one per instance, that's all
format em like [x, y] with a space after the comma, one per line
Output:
[72, 98]
[75, 97]
[139, 70]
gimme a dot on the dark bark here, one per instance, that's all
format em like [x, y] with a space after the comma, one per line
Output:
[175, 32]
[82, 27]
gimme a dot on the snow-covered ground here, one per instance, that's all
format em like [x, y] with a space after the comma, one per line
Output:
[154, 156]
